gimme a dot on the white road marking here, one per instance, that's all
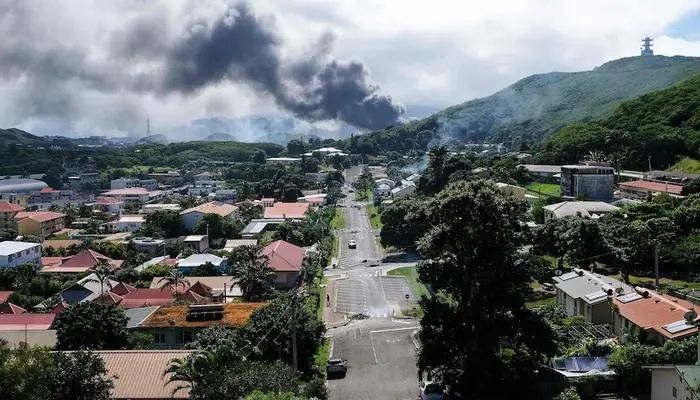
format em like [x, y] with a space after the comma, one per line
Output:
[374, 351]
[392, 330]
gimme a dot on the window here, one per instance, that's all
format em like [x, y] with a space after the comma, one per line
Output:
[183, 337]
[674, 392]
[159, 338]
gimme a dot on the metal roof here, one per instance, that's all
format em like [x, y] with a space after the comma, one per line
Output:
[10, 247]
[21, 185]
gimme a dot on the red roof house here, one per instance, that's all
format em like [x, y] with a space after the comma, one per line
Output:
[10, 308]
[81, 262]
[7, 207]
[286, 259]
[5, 295]
[287, 211]
[26, 321]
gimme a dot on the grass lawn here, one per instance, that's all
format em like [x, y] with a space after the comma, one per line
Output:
[363, 195]
[687, 165]
[322, 297]
[338, 221]
[546, 189]
[374, 217]
[541, 303]
[411, 275]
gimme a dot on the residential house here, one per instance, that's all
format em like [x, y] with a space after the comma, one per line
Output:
[655, 317]
[385, 181]
[225, 195]
[151, 208]
[126, 223]
[28, 329]
[108, 204]
[286, 260]
[283, 160]
[126, 296]
[672, 382]
[165, 260]
[407, 188]
[257, 227]
[39, 223]
[191, 216]
[223, 289]
[7, 214]
[174, 326]
[82, 262]
[189, 264]
[287, 211]
[205, 187]
[267, 201]
[585, 209]
[588, 182]
[589, 294]
[640, 189]
[85, 181]
[5, 295]
[140, 374]
[548, 173]
[149, 246]
[198, 243]
[167, 178]
[134, 195]
[13, 254]
[315, 200]
[87, 289]
[126, 183]
[233, 243]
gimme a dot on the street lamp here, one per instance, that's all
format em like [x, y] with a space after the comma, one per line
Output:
[691, 318]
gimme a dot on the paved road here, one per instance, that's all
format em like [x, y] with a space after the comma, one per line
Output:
[380, 350]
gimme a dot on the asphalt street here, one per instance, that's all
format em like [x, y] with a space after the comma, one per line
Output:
[380, 350]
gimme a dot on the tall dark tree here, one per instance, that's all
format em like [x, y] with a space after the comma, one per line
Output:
[79, 375]
[477, 327]
[251, 271]
[92, 326]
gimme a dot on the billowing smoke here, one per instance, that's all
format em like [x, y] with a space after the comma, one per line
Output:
[240, 47]
[149, 54]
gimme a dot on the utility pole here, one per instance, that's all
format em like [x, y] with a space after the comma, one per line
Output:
[294, 331]
[656, 265]
[649, 163]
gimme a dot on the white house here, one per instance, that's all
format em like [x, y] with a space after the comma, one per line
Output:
[585, 209]
[130, 195]
[188, 264]
[198, 243]
[13, 254]
[385, 181]
[407, 188]
[127, 223]
[675, 382]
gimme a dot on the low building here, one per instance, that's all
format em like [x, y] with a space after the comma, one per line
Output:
[675, 382]
[39, 223]
[191, 216]
[85, 181]
[222, 288]
[385, 181]
[584, 209]
[257, 227]
[197, 243]
[172, 327]
[287, 211]
[167, 178]
[286, 260]
[141, 374]
[589, 295]
[13, 254]
[8, 211]
[127, 183]
[149, 245]
[549, 173]
[283, 160]
[189, 264]
[87, 289]
[225, 195]
[656, 317]
[234, 243]
[82, 262]
[315, 200]
[587, 182]
[108, 204]
[407, 188]
[28, 329]
[205, 187]
[126, 223]
[135, 195]
[152, 208]
[640, 189]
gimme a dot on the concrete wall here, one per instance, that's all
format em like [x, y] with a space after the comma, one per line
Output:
[663, 382]
[45, 338]
[22, 257]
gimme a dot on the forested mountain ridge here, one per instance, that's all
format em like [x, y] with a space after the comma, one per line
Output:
[537, 106]
[663, 125]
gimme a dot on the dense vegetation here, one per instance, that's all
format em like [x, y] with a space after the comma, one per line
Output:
[663, 125]
[539, 105]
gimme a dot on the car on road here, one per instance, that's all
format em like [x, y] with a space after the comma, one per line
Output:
[352, 244]
[337, 367]
[430, 390]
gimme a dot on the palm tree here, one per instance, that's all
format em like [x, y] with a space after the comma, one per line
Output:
[174, 279]
[618, 140]
[251, 271]
[192, 369]
[103, 275]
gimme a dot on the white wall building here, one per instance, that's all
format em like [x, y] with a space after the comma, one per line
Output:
[13, 254]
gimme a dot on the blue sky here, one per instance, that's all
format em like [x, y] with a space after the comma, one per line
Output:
[687, 27]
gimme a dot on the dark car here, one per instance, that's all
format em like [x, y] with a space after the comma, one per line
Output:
[337, 367]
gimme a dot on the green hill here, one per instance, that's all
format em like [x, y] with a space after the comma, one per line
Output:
[663, 125]
[535, 107]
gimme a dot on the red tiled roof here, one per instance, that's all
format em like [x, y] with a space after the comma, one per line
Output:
[10, 308]
[191, 297]
[122, 289]
[135, 191]
[51, 262]
[200, 288]
[284, 257]
[4, 295]
[80, 262]
[28, 321]
[39, 216]
[655, 311]
[147, 297]
[652, 186]
[48, 190]
[6, 206]
[60, 307]
[105, 201]
[287, 210]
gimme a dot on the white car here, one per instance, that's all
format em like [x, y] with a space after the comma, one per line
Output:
[352, 244]
[431, 391]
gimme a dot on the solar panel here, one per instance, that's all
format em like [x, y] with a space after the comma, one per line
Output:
[629, 297]
[678, 326]
[596, 295]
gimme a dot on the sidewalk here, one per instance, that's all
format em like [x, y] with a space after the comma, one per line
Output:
[331, 318]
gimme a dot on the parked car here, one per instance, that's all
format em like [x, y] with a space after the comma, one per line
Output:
[352, 244]
[430, 390]
[337, 367]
